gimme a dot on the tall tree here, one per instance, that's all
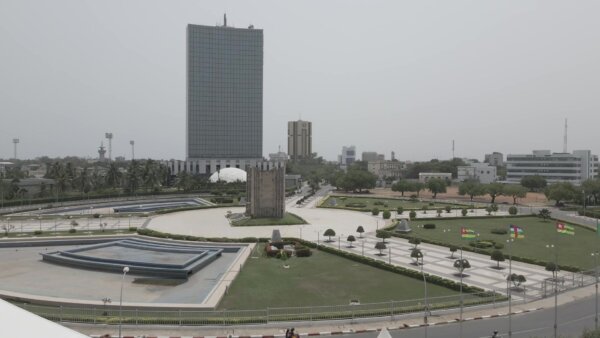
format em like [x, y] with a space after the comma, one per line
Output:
[534, 182]
[132, 181]
[436, 186]
[515, 191]
[402, 186]
[494, 190]
[562, 191]
[471, 188]
[113, 176]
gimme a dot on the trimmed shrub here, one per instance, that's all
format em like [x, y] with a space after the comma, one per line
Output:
[375, 211]
[482, 244]
[378, 203]
[412, 214]
[400, 210]
[498, 246]
[132, 229]
[513, 210]
[356, 205]
[96, 215]
[464, 212]
[429, 226]
[448, 209]
[37, 232]
[499, 231]
[387, 214]
[72, 231]
[303, 252]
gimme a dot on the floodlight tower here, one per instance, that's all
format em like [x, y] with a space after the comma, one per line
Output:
[132, 142]
[15, 142]
[109, 136]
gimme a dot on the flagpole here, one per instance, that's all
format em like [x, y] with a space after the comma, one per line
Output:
[461, 293]
[556, 284]
[509, 286]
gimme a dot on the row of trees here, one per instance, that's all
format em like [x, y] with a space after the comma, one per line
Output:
[473, 188]
[434, 185]
[145, 175]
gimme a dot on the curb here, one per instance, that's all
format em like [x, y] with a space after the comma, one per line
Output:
[334, 333]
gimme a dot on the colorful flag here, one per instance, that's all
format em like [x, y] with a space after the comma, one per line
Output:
[467, 233]
[565, 229]
[516, 232]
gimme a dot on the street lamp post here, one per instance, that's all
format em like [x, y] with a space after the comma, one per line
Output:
[125, 271]
[555, 276]
[595, 255]
[426, 309]
[40, 218]
[509, 280]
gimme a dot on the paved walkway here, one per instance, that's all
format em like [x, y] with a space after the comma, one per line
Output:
[437, 261]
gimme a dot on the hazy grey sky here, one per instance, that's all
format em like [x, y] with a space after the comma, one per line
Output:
[381, 75]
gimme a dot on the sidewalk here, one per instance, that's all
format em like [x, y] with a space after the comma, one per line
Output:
[336, 327]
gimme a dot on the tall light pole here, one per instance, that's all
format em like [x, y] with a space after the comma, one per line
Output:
[595, 255]
[109, 136]
[555, 276]
[132, 142]
[15, 142]
[125, 271]
[509, 280]
[426, 309]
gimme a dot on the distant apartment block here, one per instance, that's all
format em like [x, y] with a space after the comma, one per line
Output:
[482, 172]
[347, 157]
[279, 156]
[299, 139]
[495, 159]
[265, 189]
[368, 156]
[554, 167]
[385, 169]
[424, 177]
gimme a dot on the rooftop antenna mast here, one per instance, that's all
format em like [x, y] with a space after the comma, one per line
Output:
[15, 142]
[224, 19]
[565, 139]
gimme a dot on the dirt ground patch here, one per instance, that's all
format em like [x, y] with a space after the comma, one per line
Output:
[532, 198]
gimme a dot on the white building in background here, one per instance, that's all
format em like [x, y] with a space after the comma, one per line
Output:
[554, 167]
[424, 177]
[383, 169]
[482, 172]
[347, 157]
[207, 167]
[495, 159]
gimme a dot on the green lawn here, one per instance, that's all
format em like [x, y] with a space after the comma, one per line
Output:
[322, 279]
[368, 203]
[572, 250]
[288, 219]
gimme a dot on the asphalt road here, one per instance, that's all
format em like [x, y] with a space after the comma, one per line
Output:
[573, 319]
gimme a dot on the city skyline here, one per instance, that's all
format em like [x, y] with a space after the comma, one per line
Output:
[475, 68]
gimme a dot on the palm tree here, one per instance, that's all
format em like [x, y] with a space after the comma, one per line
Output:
[133, 177]
[150, 176]
[184, 181]
[83, 181]
[113, 176]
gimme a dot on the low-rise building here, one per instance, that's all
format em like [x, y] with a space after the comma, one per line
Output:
[554, 167]
[368, 156]
[424, 177]
[495, 159]
[208, 167]
[385, 169]
[482, 172]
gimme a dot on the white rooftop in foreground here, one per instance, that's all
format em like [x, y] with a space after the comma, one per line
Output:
[18, 323]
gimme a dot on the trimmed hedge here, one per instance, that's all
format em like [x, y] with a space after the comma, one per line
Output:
[429, 226]
[499, 231]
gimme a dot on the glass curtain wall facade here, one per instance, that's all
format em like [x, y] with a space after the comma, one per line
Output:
[224, 93]
[299, 139]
